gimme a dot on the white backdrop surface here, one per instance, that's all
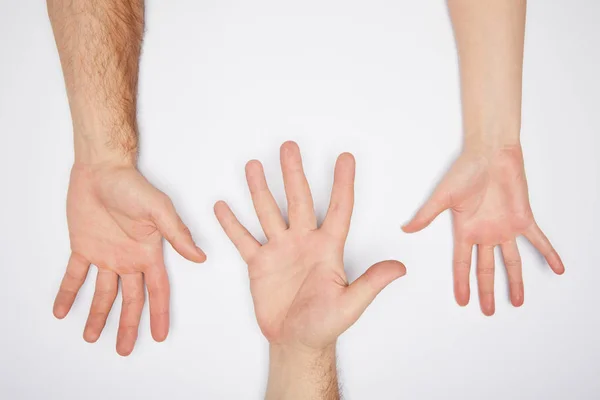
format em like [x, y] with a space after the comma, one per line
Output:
[226, 81]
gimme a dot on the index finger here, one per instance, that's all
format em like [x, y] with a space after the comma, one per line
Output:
[243, 240]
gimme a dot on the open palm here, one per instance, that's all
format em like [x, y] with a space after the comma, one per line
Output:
[490, 206]
[117, 221]
[297, 280]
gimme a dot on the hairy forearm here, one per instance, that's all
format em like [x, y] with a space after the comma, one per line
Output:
[489, 36]
[99, 44]
[299, 374]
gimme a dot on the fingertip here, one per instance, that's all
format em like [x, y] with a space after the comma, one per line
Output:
[517, 301]
[400, 268]
[462, 295]
[124, 351]
[289, 152]
[124, 346]
[190, 251]
[559, 269]
[390, 270]
[488, 310]
[219, 205]
[346, 157]
[60, 311]
[555, 262]
[462, 302]
[289, 145]
[517, 294]
[253, 165]
[410, 228]
[90, 336]
[487, 303]
[425, 215]
[200, 256]
[160, 336]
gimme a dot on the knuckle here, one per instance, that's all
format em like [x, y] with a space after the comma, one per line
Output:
[78, 258]
[512, 263]
[97, 317]
[67, 292]
[69, 275]
[105, 294]
[159, 312]
[127, 327]
[550, 252]
[461, 264]
[185, 231]
[135, 300]
[485, 271]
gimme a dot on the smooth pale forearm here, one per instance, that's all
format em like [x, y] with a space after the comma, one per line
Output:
[489, 36]
[296, 374]
[99, 44]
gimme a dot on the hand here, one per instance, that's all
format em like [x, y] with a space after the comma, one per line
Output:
[117, 221]
[301, 295]
[490, 206]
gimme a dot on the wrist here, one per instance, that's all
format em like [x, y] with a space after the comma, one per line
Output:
[118, 147]
[489, 141]
[299, 355]
[297, 372]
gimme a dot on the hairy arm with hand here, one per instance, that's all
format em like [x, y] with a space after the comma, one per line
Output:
[302, 298]
[116, 218]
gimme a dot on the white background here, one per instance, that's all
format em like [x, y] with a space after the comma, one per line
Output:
[229, 80]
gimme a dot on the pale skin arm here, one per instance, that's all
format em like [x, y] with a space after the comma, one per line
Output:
[302, 298]
[489, 37]
[116, 218]
[486, 187]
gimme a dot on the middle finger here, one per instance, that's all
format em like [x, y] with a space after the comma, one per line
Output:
[131, 312]
[485, 278]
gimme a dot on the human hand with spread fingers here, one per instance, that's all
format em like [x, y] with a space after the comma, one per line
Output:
[486, 188]
[487, 194]
[302, 298]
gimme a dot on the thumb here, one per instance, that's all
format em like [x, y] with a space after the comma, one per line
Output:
[364, 290]
[176, 232]
[434, 206]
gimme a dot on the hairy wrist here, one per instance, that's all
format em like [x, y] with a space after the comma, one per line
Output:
[114, 146]
[300, 372]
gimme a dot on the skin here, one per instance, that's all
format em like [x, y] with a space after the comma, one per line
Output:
[302, 298]
[116, 218]
[486, 188]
